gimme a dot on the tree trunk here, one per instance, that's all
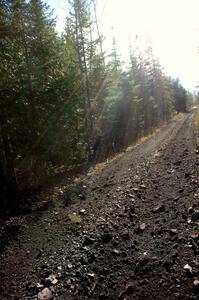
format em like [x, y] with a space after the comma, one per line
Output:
[98, 32]
[8, 185]
[84, 73]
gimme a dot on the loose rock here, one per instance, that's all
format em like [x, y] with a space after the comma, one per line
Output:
[159, 208]
[106, 238]
[45, 294]
[188, 269]
[142, 226]
[196, 285]
[88, 241]
[173, 231]
[195, 215]
[129, 289]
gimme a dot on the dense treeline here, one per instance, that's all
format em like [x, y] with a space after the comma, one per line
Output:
[63, 100]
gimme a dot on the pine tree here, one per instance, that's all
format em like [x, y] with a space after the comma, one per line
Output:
[82, 30]
[79, 27]
[8, 89]
[180, 96]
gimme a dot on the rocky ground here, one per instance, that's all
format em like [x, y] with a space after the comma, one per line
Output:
[128, 231]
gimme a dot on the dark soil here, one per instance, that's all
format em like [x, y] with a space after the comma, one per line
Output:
[128, 231]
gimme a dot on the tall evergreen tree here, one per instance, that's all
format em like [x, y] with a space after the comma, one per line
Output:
[62, 102]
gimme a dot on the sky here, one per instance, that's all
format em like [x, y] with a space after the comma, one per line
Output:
[171, 25]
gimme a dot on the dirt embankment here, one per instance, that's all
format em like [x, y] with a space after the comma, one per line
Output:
[130, 231]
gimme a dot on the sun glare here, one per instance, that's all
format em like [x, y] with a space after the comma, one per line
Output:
[171, 25]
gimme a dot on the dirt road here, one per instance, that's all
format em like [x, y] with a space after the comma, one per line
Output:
[128, 231]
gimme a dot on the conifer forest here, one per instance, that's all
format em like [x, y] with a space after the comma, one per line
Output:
[99, 150]
[65, 101]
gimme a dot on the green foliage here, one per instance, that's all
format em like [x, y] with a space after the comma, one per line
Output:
[180, 96]
[74, 218]
[62, 102]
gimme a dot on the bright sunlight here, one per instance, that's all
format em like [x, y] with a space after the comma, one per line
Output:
[99, 149]
[171, 25]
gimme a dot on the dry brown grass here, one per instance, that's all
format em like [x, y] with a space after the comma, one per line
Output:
[197, 119]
